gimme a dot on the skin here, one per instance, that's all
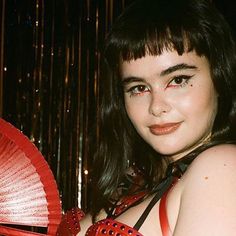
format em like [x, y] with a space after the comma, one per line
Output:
[156, 91]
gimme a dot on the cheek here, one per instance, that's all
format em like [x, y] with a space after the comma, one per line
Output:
[207, 101]
[128, 108]
[136, 109]
[199, 103]
[132, 111]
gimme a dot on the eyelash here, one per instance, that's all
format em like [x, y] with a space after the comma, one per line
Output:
[132, 92]
[184, 81]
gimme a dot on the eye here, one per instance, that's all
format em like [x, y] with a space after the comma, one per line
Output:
[179, 81]
[138, 90]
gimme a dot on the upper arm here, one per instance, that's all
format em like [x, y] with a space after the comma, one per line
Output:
[85, 223]
[208, 200]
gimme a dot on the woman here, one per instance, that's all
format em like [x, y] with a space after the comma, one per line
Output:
[168, 118]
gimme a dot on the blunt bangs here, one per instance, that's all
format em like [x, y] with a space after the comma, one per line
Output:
[157, 27]
[154, 42]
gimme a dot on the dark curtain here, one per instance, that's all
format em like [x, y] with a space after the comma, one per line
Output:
[50, 76]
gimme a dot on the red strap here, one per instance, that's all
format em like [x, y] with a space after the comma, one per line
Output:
[165, 228]
[164, 222]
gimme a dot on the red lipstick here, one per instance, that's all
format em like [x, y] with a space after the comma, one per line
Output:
[163, 129]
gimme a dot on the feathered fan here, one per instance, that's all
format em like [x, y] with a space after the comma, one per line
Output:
[28, 191]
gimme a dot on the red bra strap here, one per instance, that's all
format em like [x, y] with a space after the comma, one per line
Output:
[164, 222]
[165, 228]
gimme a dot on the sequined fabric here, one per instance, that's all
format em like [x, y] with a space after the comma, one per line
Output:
[111, 227]
[70, 225]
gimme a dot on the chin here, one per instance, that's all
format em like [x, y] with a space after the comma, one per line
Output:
[165, 152]
[168, 150]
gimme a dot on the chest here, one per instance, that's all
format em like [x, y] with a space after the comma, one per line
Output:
[151, 225]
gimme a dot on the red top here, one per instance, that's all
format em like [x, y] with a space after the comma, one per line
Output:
[70, 223]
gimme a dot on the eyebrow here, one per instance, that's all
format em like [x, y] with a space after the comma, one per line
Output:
[169, 70]
[177, 67]
[131, 79]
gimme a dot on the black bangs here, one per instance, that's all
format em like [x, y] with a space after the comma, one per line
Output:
[160, 25]
[152, 42]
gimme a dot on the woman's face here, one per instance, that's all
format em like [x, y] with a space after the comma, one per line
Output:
[171, 100]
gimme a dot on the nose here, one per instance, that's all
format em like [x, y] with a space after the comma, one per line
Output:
[159, 104]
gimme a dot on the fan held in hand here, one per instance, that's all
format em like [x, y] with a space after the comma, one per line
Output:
[28, 190]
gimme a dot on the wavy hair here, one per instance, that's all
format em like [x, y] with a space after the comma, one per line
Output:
[147, 27]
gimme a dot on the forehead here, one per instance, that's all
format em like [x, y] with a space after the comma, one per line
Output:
[149, 64]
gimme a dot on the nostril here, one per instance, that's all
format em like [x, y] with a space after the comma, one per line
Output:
[157, 108]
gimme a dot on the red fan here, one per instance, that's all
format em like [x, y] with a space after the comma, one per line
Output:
[28, 191]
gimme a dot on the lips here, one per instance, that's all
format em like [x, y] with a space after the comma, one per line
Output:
[164, 129]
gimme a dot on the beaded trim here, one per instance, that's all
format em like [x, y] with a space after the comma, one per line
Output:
[111, 227]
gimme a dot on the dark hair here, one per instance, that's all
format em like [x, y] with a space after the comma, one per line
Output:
[149, 27]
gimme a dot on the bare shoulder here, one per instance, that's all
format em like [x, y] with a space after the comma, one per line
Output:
[208, 194]
[221, 152]
[86, 222]
[215, 166]
[217, 160]
[213, 170]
